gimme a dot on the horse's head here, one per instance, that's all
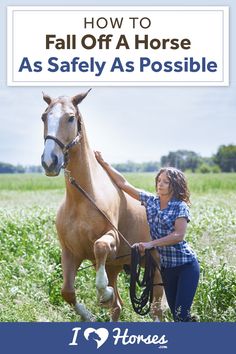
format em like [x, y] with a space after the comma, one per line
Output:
[62, 130]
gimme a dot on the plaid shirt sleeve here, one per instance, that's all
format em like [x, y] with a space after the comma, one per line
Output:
[146, 198]
[143, 197]
[149, 201]
[183, 211]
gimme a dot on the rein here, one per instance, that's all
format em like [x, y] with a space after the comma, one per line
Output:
[65, 150]
[142, 285]
[79, 188]
[140, 303]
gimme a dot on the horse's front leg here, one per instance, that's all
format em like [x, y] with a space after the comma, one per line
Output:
[104, 247]
[70, 264]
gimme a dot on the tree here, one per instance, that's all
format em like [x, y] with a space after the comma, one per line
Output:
[204, 168]
[225, 158]
[182, 159]
[9, 168]
[130, 166]
[6, 168]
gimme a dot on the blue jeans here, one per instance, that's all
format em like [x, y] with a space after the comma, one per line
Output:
[180, 284]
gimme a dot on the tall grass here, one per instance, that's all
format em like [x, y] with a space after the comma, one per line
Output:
[30, 267]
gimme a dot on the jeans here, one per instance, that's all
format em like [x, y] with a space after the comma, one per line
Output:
[180, 284]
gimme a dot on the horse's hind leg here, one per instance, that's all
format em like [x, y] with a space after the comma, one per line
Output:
[116, 306]
[156, 307]
[70, 264]
[104, 247]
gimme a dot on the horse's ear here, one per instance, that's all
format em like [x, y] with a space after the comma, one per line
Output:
[47, 98]
[79, 98]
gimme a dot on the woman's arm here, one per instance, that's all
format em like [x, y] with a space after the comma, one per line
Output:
[117, 177]
[175, 237]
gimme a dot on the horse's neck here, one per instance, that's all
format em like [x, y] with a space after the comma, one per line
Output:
[83, 168]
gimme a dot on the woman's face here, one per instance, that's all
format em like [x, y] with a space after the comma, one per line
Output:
[163, 185]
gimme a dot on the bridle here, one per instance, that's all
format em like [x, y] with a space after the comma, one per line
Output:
[66, 147]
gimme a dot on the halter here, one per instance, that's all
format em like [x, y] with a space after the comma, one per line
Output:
[65, 148]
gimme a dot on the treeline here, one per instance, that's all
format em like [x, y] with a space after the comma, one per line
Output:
[223, 161]
[9, 168]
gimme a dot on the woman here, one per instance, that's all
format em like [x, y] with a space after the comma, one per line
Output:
[167, 216]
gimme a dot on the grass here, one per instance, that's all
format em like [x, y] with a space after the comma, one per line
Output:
[30, 269]
[30, 182]
[198, 183]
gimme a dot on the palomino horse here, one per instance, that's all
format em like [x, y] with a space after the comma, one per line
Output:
[83, 232]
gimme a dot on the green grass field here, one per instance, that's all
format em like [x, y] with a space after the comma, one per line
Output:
[30, 270]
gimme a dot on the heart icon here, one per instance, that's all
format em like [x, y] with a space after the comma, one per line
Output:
[99, 335]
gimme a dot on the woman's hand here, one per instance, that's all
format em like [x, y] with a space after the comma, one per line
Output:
[117, 177]
[144, 246]
[99, 157]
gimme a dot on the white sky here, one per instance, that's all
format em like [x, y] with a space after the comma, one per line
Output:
[126, 123]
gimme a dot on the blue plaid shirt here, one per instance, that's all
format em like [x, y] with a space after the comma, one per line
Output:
[162, 223]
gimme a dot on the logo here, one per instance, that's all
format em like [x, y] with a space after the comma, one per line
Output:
[117, 336]
[99, 335]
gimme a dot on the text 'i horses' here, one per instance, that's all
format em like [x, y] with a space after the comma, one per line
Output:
[84, 233]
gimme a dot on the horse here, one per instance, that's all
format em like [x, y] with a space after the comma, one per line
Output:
[83, 232]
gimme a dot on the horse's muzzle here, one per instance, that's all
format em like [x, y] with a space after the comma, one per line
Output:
[51, 167]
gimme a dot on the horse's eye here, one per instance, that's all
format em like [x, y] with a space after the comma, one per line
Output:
[71, 119]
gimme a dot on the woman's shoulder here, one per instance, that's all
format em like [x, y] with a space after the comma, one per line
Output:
[147, 197]
[179, 204]
[181, 209]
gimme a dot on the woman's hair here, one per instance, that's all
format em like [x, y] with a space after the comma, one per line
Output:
[178, 183]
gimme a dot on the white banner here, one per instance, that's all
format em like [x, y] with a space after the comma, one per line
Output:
[118, 46]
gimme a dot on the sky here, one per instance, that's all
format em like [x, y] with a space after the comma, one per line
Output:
[125, 123]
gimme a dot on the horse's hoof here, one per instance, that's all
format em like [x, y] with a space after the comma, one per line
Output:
[84, 313]
[108, 297]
